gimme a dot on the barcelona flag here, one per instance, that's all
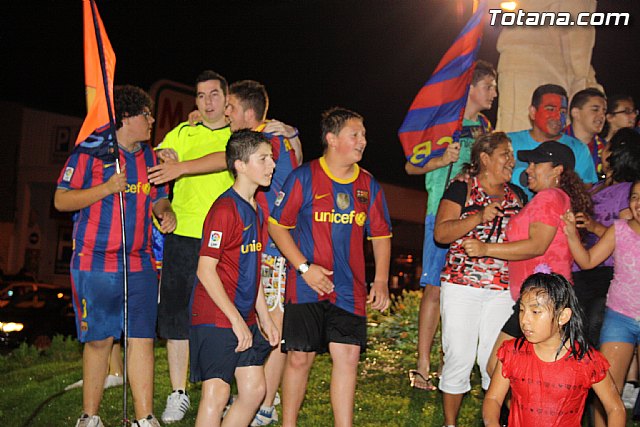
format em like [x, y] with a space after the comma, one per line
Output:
[435, 116]
[96, 137]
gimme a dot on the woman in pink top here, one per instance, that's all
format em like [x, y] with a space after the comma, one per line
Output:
[620, 333]
[533, 237]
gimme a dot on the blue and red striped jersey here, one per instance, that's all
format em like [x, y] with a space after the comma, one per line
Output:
[330, 218]
[234, 234]
[285, 157]
[97, 230]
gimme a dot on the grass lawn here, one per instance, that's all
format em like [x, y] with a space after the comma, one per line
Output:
[31, 389]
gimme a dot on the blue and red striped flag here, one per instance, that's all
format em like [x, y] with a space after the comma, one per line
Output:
[96, 135]
[435, 116]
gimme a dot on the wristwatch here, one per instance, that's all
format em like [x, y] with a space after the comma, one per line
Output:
[303, 268]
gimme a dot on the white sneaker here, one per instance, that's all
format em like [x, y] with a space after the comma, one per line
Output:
[89, 421]
[276, 400]
[150, 421]
[113, 381]
[629, 395]
[265, 416]
[177, 405]
[110, 381]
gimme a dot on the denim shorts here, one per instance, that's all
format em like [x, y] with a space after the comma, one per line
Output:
[619, 328]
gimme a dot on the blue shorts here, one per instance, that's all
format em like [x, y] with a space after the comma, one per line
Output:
[619, 328]
[98, 300]
[212, 352]
[434, 255]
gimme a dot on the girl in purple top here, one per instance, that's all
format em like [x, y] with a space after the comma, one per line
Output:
[621, 165]
[621, 328]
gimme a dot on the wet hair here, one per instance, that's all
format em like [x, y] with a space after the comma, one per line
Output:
[624, 160]
[582, 97]
[333, 120]
[483, 69]
[242, 144]
[252, 96]
[613, 103]
[130, 101]
[486, 143]
[540, 91]
[207, 75]
[558, 294]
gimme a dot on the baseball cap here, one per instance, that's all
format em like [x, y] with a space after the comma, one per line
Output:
[549, 151]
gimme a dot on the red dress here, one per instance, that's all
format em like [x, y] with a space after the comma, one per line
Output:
[548, 394]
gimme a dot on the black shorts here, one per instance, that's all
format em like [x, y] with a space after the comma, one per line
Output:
[311, 327]
[180, 263]
[212, 352]
[512, 325]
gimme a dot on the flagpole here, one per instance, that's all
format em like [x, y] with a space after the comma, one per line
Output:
[116, 152]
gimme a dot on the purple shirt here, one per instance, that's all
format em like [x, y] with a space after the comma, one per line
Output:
[607, 204]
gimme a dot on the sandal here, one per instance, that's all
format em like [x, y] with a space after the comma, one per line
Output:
[419, 381]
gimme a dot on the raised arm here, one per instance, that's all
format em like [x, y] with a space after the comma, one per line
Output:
[451, 155]
[72, 200]
[449, 227]
[591, 258]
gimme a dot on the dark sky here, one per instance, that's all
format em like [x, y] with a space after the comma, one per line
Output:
[368, 55]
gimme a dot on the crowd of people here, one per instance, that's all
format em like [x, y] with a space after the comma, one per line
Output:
[529, 257]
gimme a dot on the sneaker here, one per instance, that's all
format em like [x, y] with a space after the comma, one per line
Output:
[113, 381]
[89, 421]
[110, 381]
[265, 416]
[629, 395]
[276, 400]
[177, 405]
[232, 399]
[150, 421]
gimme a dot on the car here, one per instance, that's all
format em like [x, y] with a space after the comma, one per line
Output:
[34, 312]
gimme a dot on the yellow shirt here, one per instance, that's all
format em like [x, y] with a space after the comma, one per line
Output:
[193, 195]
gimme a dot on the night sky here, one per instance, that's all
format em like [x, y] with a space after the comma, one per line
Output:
[371, 56]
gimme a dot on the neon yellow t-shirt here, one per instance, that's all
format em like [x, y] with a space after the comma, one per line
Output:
[193, 195]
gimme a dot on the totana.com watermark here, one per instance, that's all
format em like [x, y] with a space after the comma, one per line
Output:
[522, 18]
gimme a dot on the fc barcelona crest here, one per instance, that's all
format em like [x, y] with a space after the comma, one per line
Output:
[343, 201]
[362, 196]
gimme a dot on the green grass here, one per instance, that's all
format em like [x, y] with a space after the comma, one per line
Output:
[33, 383]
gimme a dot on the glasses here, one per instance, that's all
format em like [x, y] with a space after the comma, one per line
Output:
[146, 114]
[628, 111]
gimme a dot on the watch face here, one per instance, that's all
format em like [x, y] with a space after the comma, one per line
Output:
[303, 268]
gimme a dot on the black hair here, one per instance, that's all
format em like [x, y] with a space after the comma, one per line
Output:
[624, 160]
[559, 295]
[207, 75]
[540, 91]
[612, 106]
[252, 96]
[582, 97]
[130, 101]
[481, 70]
[242, 144]
[333, 120]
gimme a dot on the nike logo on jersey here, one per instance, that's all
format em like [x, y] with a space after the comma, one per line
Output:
[108, 165]
[321, 196]
[247, 227]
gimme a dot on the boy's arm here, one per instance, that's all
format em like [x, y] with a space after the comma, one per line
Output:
[450, 155]
[610, 398]
[269, 328]
[211, 281]
[588, 259]
[317, 277]
[72, 200]
[279, 128]
[494, 398]
[163, 211]
[168, 171]
[379, 293]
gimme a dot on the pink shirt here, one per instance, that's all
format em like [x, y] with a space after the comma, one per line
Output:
[546, 207]
[623, 291]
